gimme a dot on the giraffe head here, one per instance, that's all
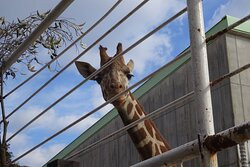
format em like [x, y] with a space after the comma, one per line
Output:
[113, 79]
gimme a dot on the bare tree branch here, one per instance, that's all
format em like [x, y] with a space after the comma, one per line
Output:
[12, 34]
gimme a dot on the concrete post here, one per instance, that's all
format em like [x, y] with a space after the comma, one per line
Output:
[205, 124]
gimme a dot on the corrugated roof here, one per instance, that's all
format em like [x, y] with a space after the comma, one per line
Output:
[172, 66]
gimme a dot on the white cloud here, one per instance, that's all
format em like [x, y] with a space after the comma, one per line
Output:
[23, 142]
[20, 142]
[233, 8]
[153, 52]
[51, 121]
[41, 155]
[131, 30]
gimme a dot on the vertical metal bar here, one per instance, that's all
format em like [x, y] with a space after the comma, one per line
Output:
[36, 33]
[179, 164]
[243, 155]
[205, 124]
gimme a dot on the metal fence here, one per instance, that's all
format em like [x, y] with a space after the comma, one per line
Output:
[207, 144]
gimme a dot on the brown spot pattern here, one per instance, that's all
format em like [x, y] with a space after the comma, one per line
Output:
[138, 135]
[135, 117]
[146, 151]
[158, 137]
[123, 102]
[138, 109]
[163, 149]
[149, 127]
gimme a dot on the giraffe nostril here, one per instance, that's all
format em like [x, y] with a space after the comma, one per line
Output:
[120, 86]
[116, 86]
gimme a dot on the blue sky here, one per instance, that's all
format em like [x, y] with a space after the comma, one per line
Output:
[151, 54]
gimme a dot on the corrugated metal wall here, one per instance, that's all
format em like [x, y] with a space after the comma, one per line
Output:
[226, 53]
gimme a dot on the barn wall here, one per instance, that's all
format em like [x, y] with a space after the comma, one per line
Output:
[178, 125]
[239, 55]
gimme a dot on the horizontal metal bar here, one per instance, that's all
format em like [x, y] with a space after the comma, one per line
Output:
[182, 153]
[66, 49]
[95, 73]
[228, 75]
[228, 138]
[36, 33]
[213, 143]
[179, 164]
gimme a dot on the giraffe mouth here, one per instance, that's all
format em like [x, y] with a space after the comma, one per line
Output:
[120, 98]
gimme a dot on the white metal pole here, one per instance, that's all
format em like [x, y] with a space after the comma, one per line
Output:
[36, 33]
[180, 164]
[205, 123]
[183, 153]
[214, 143]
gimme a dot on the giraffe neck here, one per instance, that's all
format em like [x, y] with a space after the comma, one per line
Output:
[147, 139]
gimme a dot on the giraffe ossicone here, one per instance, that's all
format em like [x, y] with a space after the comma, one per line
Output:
[115, 79]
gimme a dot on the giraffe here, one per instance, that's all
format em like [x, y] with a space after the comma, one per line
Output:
[113, 80]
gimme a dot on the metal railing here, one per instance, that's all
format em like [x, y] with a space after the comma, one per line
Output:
[213, 143]
[207, 144]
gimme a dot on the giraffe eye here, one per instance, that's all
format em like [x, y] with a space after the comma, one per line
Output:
[129, 76]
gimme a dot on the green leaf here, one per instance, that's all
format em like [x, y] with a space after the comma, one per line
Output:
[80, 25]
[13, 75]
[31, 68]
[57, 42]
[38, 14]
[2, 20]
[37, 61]
[83, 45]
[17, 33]
[49, 67]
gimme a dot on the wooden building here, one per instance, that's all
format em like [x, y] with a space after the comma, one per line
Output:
[230, 98]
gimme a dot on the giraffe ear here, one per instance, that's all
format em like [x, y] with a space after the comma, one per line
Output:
[86, 69]
[130, 65]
